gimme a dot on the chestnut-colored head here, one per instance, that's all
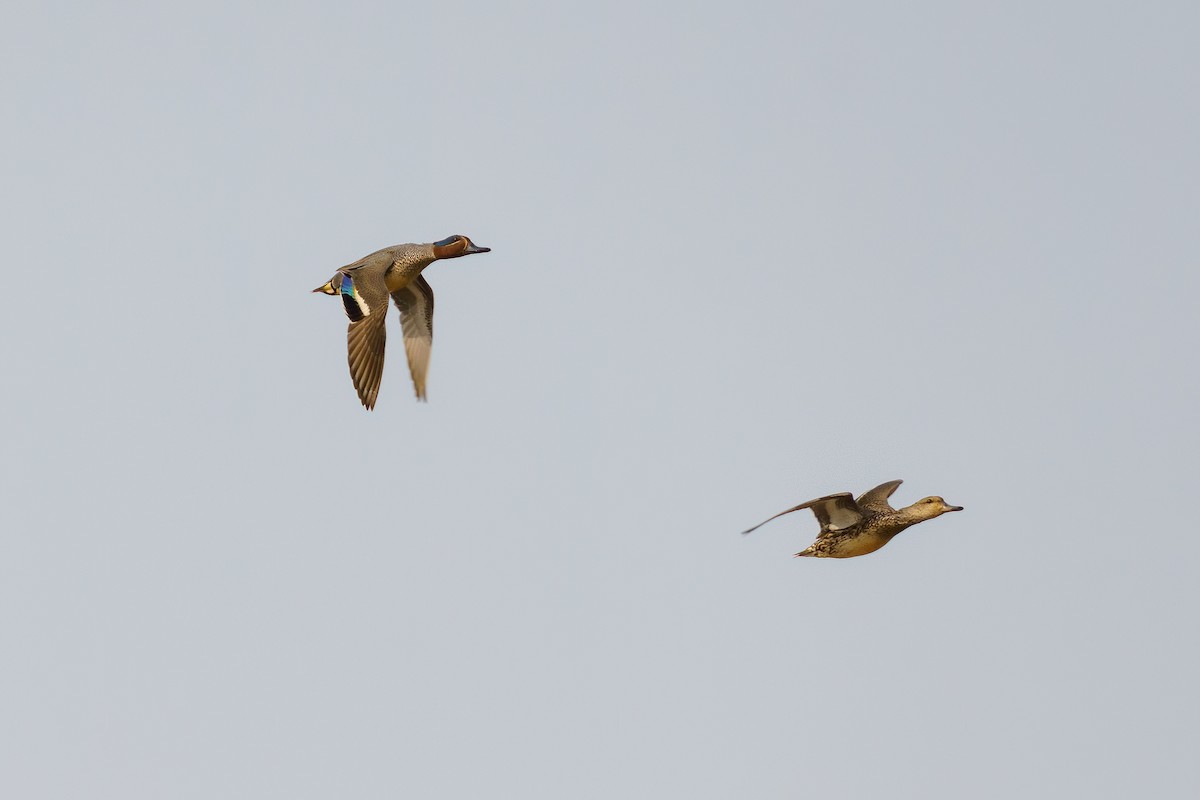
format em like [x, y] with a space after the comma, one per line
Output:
[455, 246]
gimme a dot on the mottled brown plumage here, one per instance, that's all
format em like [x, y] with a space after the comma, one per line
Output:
[852, 527]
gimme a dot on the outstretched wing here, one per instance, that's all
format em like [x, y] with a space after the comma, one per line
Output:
[415, 302]
[833, 511]
[876, 500]
[366, 337]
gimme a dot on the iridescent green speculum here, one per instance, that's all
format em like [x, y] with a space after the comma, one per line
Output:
[353, 304]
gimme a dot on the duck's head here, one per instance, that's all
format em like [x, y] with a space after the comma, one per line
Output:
[455, 246]
[930, 507]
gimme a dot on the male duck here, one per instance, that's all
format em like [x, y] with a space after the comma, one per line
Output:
[364, 287]
[852, 527]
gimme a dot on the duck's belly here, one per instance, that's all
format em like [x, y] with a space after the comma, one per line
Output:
[401, 276]
[859, 545]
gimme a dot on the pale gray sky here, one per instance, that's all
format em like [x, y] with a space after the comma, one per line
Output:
[743, 255]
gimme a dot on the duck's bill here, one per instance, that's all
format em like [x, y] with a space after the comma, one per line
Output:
[954, 508]
[474, 248]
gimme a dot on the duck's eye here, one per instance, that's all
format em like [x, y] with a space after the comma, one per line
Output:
[449, 240]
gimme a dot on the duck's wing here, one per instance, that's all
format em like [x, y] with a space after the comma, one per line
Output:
[366, 337]
[415, 302]
[835, 511]
[876, 500]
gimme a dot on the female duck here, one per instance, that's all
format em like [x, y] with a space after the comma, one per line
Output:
[852, 527]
